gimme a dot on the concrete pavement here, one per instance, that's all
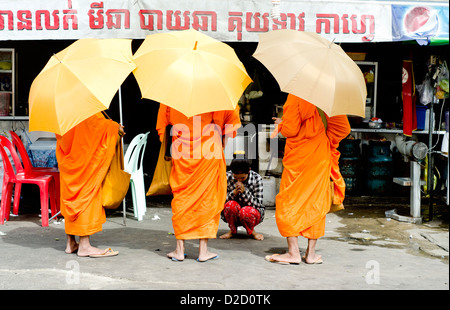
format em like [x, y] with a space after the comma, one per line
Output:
[361, 250]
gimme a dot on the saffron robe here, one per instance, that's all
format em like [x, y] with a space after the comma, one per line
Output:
[84, 154]
[310, 161]
[198, 176]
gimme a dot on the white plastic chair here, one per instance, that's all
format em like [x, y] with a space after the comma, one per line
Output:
[133, 161]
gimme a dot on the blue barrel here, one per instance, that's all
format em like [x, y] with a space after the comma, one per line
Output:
[350, 165]
[379, 169]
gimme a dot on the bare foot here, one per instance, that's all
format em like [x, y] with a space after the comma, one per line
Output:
[178, 253]
[71, 245]
[228, 235]
[89, 250]
[71, 248]
[285, 258]
[176, 256]
[257, 236]
[206, 256]
[313, 259]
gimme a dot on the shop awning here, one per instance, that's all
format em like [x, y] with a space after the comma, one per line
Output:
[226, 20]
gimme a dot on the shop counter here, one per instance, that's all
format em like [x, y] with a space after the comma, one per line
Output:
[391, 131]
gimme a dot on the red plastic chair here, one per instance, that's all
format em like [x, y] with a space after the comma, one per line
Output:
[30, 169]
[45, 182]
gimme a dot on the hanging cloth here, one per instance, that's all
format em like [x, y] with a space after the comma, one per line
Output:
[409, 98]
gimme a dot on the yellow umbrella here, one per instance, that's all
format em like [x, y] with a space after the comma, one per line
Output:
[315, 69]
[78, 82]
[190, 72]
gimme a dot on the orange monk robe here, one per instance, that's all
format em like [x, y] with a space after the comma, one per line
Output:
[198, 177]
[309, 163]
[338, 129]
[84, 154]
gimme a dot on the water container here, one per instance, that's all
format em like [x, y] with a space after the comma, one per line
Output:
[379, 169]
[350, 165]
[269, 191]
[421, 112]
[350, 148]
[43, 152]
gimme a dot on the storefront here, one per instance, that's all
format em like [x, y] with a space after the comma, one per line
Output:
[381, 33]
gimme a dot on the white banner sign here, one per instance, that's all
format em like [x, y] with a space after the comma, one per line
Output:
[225, 20]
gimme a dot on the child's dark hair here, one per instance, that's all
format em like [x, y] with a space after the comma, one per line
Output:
[240, 165]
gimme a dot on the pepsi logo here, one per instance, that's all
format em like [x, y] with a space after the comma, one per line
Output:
[420, 22]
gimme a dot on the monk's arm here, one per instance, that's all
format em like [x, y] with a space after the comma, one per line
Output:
[290, 125]
[162, 121]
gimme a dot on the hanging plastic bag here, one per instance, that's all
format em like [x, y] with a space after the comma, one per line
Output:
[425, 90]
[442, 88]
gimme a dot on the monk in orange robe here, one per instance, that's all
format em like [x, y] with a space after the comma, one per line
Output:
[198, 177]
[310, 161]
[84, 154]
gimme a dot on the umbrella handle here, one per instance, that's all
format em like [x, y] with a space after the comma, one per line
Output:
[120, 104]
[329, 46]
[106, 115]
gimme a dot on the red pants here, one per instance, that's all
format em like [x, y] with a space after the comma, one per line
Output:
[235, 216]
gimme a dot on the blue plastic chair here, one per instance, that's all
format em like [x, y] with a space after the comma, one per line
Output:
[133, 161]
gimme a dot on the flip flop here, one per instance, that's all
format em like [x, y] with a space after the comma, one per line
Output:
[107, 253]
[270, 259]
[212, 258]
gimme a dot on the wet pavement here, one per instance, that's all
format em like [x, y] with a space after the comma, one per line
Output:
[362, 250]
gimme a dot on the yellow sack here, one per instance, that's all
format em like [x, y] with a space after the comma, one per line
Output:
[116, 182]
[160, 182]
[334, 207]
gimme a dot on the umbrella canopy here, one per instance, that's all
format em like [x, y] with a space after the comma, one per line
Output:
[314, 69]
[190, 72]
[78, 82]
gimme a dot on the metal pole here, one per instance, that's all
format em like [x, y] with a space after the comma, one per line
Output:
[415, 189]
[121, 122]
[59, 212]
[430, 180]
[120, 104]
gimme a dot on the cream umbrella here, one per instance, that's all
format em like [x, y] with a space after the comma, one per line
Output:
[314, 69]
